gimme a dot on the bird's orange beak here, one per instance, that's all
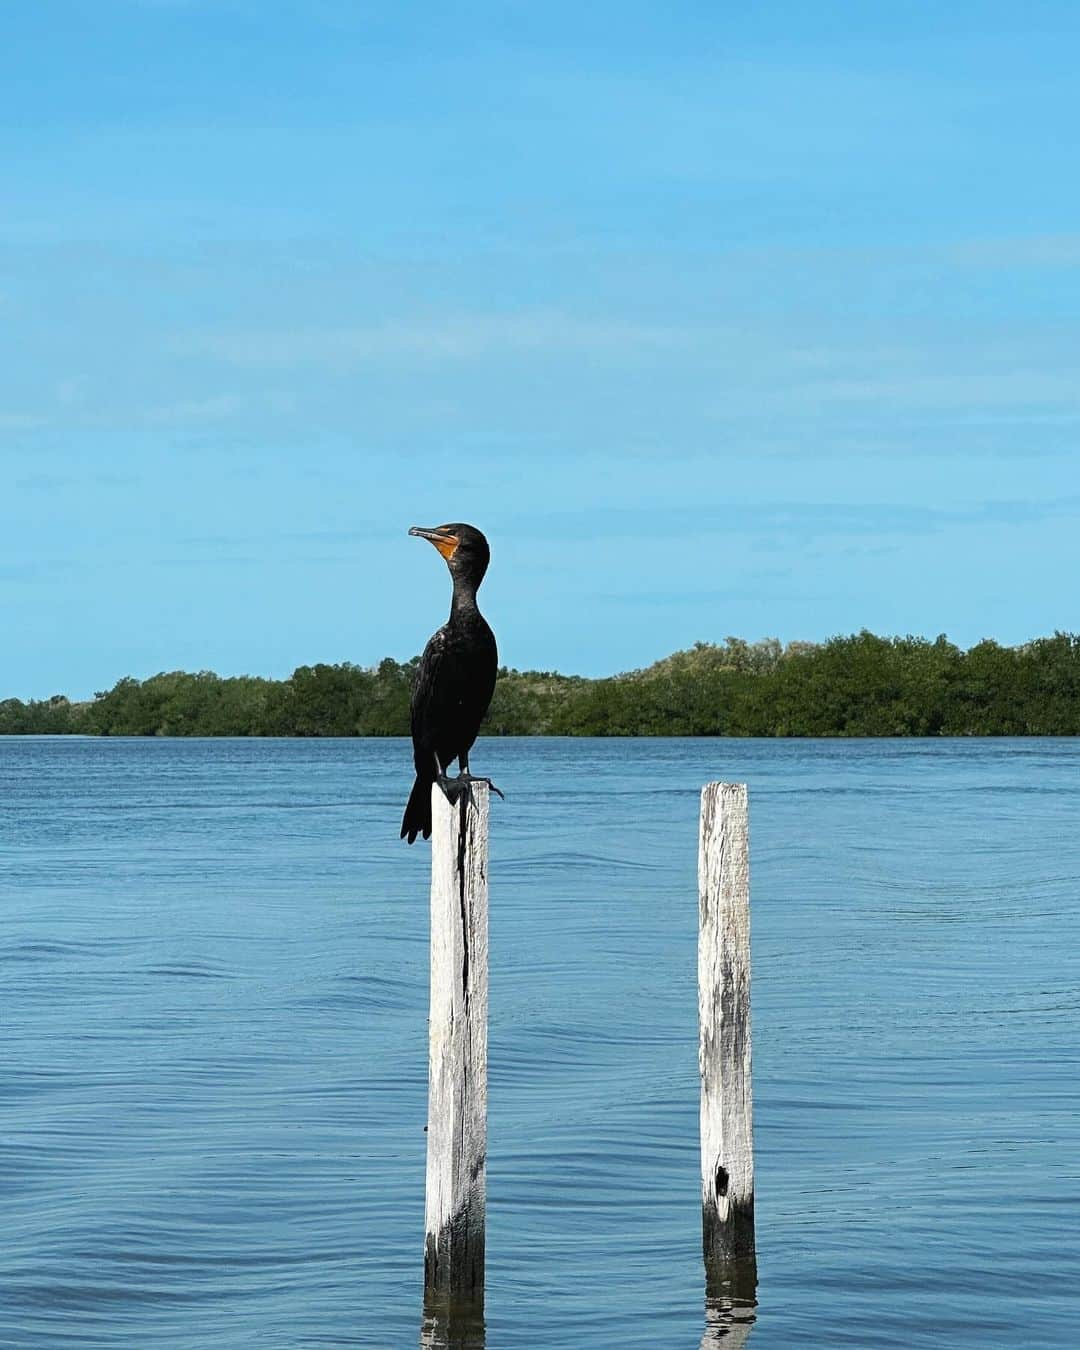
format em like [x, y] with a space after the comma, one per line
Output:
[441, 537]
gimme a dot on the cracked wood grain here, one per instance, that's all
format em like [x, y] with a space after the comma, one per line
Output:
[727, 1158]
[457, 1062]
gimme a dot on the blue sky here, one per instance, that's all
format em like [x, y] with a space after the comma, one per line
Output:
[717, 319]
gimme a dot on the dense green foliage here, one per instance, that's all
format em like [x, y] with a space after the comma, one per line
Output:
[860, 685]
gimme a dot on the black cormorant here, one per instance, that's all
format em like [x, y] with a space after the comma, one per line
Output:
[454, 681]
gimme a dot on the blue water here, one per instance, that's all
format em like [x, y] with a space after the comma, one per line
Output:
[213, 991]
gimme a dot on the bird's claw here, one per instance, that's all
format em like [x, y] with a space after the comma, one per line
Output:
[497, 791]
[454, 787]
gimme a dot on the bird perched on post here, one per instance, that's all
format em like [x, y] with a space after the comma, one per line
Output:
[454, 681]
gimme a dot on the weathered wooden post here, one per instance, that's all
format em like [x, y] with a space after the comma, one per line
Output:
[457, 1064]
[727, 1159]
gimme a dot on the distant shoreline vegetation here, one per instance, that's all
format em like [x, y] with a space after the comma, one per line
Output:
[861, 685]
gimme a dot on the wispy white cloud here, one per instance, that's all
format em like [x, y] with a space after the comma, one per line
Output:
[21, 421]
[453, 337]
[794, 521]
[1008, 389]
[1038, 250]
[199, 410]
[35, 571]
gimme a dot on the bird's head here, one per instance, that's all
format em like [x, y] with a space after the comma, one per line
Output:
[463, 546]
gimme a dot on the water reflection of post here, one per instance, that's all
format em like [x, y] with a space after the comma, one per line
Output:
[452, 1326]
[730, 1300]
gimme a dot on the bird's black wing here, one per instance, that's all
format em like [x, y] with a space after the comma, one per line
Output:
[441, 682]
[476, 698]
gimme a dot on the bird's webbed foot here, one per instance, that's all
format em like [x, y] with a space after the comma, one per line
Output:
[466, 777]
[454, 787]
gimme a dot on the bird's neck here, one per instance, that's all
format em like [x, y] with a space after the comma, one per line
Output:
[463, 603]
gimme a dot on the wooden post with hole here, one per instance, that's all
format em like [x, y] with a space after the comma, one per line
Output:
[727, 1158]
[454, 1214]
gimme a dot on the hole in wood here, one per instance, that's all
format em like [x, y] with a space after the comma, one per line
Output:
[722, 1181]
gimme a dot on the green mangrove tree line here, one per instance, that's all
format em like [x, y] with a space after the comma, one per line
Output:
[861, 685]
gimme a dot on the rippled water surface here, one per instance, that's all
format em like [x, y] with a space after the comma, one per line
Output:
[213, 972]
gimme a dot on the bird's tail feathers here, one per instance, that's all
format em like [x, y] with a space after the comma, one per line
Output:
[417, 817]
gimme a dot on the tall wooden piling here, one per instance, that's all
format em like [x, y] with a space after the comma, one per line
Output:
[457, 1064]
[727, 1159]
